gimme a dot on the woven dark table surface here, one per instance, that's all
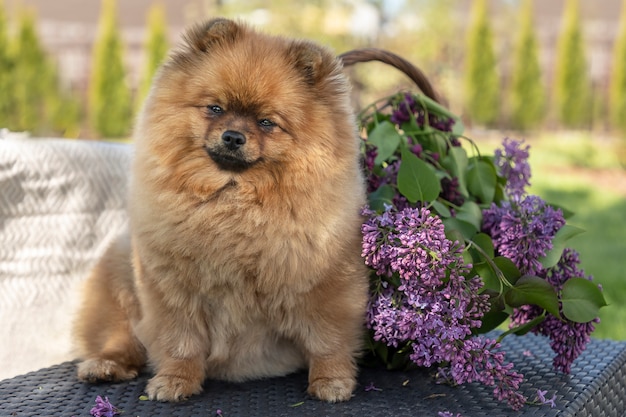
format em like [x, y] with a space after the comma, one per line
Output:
[596, 387]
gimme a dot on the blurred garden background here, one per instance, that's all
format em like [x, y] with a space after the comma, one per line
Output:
[550, 72]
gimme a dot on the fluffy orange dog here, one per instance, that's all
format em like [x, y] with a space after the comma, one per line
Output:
[243, 255]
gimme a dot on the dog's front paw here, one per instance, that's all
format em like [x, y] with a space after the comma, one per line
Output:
[171, 388]
[98, 369]
[332, 389]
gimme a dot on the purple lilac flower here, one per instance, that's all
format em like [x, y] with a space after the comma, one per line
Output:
[388, 176]
[417, 149]
[403, 112]
[512, 162]
[480, 360]
[371, 152]
[435, 305]
[541, 396]
[103, 408]
[371, 387]
[523, 230]
[450, 191]
[448, 414]
[568, 339]
[409, 106]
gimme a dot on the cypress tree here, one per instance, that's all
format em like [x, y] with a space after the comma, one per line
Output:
[155, 49]
[528, 98]
[571, 84]
[6, 72]
[63, 108]
[481, 77]
[32, 82]
[110, 104]
[617, 90]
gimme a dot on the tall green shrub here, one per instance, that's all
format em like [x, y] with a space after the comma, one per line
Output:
[572, 95]
[481, 77]
[617, 88]
[528, 99]
[64, 108]
[32, 81]
[156, 47]
[6, 72]
[110, 104]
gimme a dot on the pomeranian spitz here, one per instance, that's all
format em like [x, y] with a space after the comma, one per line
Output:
[242, 258]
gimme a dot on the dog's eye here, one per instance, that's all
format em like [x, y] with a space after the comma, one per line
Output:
[215, 110]
[266, 123]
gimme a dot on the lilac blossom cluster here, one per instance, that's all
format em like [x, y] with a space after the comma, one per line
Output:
[481, 360]
[409, 107]
[568, 339]
[512, 162]
[427, 300]
[403, 112]
[426, 303]
[523, 230]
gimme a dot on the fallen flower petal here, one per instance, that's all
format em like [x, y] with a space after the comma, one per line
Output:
[541, 396]
[448, 414]
[371, 387]
[104, 408]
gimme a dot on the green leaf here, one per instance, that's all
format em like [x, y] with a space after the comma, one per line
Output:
[481, 180]
[455, 236]
[489, 277]
[432, 140]
[581, 300]
[383, 195]
[386, 139]
[456, 163]
[416, 179]
[467, 257]
[483, 241]
[433, 107]
[500, 194]
[564, 234]
[505, 266]
[468, 230]
[533, 290]
[441, 208]
[458, 128]
[491, 320]
[470, 212]
[508, 269]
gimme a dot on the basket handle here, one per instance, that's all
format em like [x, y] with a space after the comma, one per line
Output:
[374, 54]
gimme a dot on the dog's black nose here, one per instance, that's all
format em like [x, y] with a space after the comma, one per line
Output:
[233, 139]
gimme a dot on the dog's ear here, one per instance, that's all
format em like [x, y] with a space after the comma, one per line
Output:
[213, 32]
[314, 62]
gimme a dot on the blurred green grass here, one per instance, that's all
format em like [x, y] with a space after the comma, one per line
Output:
[587, 175]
